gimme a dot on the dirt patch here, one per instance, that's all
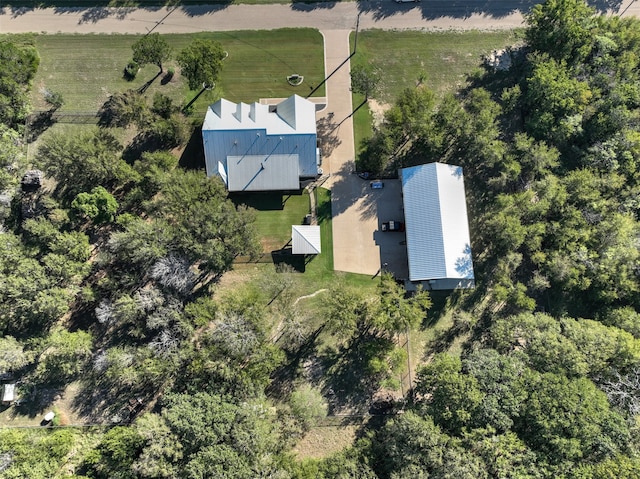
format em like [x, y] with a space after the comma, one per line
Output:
[323, 441]
[378, 109]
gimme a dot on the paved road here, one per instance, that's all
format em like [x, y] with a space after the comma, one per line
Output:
[356, 210]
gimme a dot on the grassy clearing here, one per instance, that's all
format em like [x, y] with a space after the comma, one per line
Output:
[323, 441]
[276, 212]
[444, 59]
[86, 69]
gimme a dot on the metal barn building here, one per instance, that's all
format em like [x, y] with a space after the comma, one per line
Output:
[260, 147]
[437, 228]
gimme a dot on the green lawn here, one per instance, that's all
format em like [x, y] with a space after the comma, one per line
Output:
[443, 58]
[362, 122]
[86, 69]
[275, 213]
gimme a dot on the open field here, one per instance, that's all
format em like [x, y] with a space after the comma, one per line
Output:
[86, 69]
[442, 59]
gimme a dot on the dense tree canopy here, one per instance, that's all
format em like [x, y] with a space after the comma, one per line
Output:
[19, 66]
[108, 279]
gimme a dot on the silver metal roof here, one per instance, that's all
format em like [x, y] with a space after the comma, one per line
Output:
[437, 228]
[262, 172]
[293, 115]
[306, 239]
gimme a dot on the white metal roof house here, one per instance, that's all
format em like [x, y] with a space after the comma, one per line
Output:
[437, 227]
[260, 147]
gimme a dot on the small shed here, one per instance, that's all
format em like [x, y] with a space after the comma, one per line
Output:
[306, 239]
[8, 393]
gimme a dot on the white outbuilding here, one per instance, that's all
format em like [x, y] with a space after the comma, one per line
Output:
[305, 239]
[437, 227]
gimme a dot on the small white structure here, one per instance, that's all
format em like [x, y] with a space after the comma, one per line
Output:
[256, 147]
[306, 239]
[8, 393]
[437, 228]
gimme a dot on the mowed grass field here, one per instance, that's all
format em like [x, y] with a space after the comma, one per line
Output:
[86, 69]
[444, 59]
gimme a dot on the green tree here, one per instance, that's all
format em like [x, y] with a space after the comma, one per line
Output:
[99, 205]
[19, 66]
[200, 63]
[308, 405]
[395, 313]
[219, 437]
[570, 420]
[561, 28]
[162, 452]
[115, 454]
[556, 100]
[84, 160]
[122, 109]
[30, 298]
[12, 354]
[499, 378]
[63, 355]
[205, 226]
[36, 454]
[11, 154]
[151, 48]
[454, 397]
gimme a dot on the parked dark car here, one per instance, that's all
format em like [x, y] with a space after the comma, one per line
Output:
[392, 226]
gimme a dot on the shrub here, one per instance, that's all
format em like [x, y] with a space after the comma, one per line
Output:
[131, 70]
[307, 405]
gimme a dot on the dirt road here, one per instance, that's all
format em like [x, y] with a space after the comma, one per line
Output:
[429, 15]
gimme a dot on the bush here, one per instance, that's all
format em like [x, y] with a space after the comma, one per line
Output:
[307, 405]
[53, 99]
[131, 70]
[163, 105]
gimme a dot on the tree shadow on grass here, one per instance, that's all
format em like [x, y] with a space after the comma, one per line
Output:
[38, 124]
[37, 396]
[142, 143]
[347, 385]
[284, 378]
[261, 201]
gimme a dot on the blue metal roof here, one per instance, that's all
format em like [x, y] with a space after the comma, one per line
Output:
[437, 228]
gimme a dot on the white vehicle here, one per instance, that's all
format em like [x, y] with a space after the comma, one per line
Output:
[406, 1]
